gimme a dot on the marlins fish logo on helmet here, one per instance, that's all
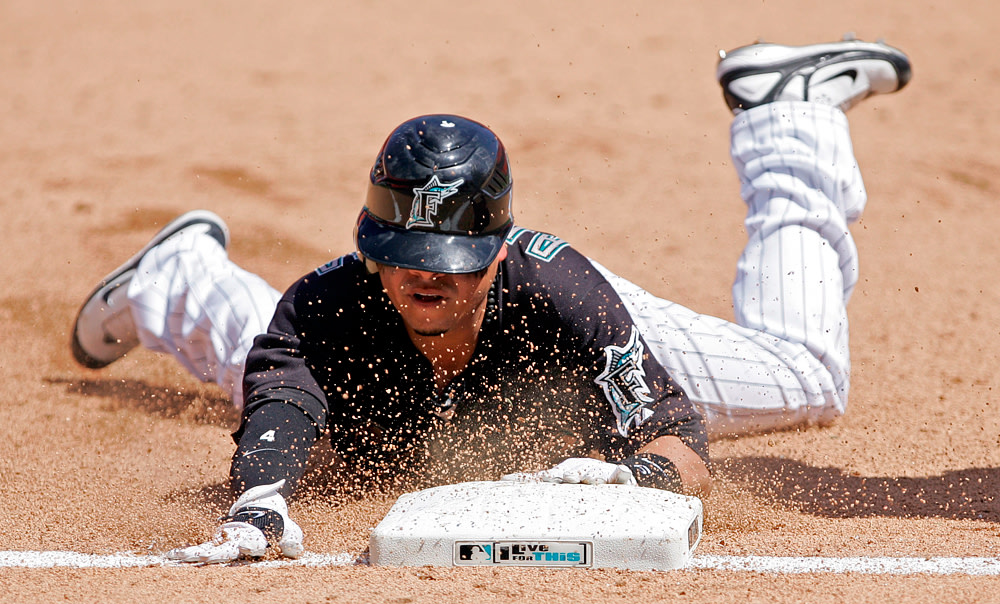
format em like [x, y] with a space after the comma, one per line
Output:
[427, 198]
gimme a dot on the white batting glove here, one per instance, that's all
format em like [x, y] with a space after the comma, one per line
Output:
[259, 515]
[576, 470]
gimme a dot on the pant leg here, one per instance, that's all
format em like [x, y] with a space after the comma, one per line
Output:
[188, 299]
[785, 361]
[802, 187]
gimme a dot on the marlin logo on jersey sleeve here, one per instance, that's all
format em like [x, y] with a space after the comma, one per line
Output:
[624, 383]
[427, 198]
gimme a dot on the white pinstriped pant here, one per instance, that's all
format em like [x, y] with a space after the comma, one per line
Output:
[190, 300]
[784, 362]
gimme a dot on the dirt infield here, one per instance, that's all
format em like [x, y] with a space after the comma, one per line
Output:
[120, 115]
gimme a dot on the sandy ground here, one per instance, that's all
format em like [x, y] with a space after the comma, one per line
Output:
[119, 116]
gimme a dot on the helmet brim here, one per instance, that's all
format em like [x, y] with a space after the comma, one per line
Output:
[425, 250]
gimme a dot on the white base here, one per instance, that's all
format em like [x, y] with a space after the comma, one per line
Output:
[539, 524]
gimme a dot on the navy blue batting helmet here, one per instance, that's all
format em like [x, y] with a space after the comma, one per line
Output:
[439, 197]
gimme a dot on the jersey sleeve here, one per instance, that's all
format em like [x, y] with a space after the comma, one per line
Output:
[278, 366]
[644, 401]
[277, 370]
[284, 409]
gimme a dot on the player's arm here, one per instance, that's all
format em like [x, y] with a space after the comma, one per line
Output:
[657, 432]
[283, 414]
[285, 410]
[655, 435]
[695, 478]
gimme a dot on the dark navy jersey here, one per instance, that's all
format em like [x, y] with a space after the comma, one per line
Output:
[559, 370]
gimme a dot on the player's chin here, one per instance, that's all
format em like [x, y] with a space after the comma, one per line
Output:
[426, 322]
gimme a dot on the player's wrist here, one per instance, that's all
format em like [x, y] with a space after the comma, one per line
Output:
[263, 508]
[655, 471]
[270, 522]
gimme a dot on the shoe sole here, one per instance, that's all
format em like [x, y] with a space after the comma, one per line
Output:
[789, 60]
[120, 276]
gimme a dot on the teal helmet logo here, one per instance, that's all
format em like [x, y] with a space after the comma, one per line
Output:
[426, 200]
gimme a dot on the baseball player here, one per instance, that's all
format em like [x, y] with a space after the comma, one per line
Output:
[453, 339]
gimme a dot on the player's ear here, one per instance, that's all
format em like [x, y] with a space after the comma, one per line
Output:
[370, 265]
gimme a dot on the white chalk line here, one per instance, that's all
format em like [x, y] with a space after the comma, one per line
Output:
[763, 564]
[57, 559]
[864, 565]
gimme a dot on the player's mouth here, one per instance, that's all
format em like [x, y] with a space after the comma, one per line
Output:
[427, 295]
[423, 298]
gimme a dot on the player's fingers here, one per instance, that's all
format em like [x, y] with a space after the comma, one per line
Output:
[232, 540]
[220, 554]
[521, 477]
[209, 552]
[623, 475]
[551, 476]
[185, 554]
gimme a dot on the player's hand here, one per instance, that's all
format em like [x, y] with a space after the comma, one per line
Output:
[576, 470]
[258, 520]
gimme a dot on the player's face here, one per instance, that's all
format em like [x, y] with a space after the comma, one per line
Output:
[434, 304]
